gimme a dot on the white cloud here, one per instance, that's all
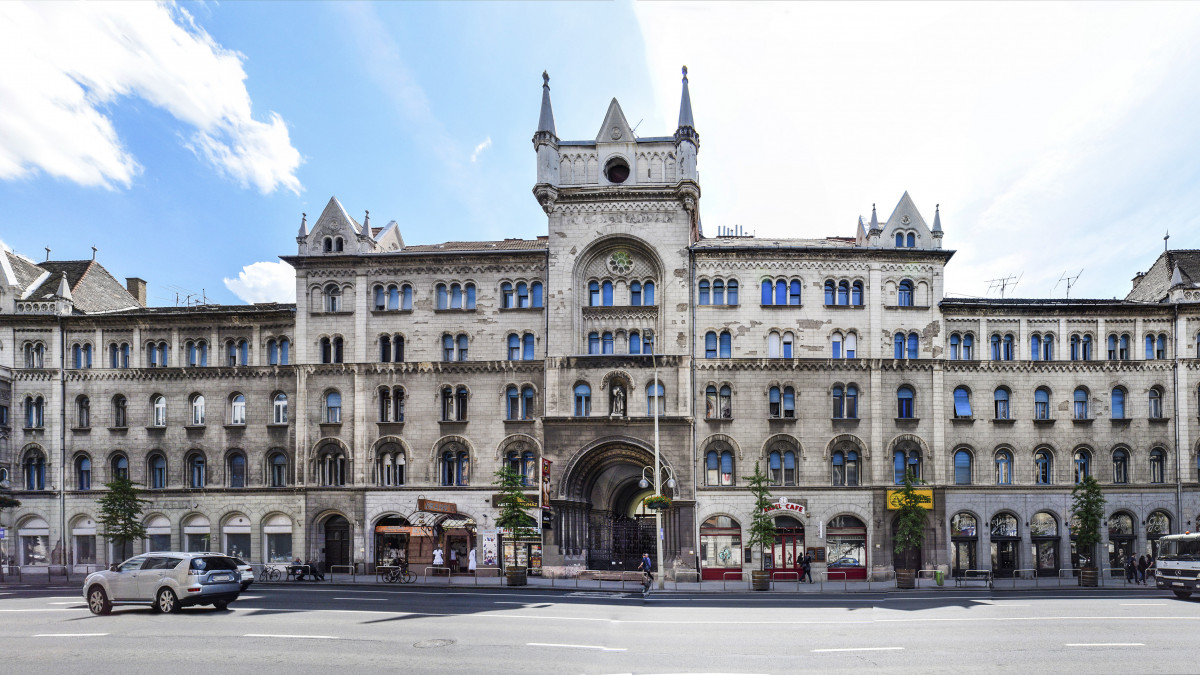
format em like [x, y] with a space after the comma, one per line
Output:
[264, 282]
[66, 64]
[1055, 135]
[487, 143]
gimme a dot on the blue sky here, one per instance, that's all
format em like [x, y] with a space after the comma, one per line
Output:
[185, 140]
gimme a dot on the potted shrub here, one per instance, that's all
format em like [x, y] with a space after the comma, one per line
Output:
[910, 531]
[762, 527]
[513, 518]
[1087, 512]
[657, 503]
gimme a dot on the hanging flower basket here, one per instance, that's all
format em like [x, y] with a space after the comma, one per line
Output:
[657, 503]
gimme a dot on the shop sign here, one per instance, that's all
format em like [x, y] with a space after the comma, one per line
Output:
[430, 506]
[894, 497]
[506, 531]
[784, 505]
[412, 530]
[526, 503]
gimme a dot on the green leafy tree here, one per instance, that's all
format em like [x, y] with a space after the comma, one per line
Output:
[121, 514]
[1087, 512]
[513, 501]
[762, 525]
[910, 520]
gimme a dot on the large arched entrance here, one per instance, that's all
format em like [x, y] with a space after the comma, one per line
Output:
[337, 541]
[602, 521]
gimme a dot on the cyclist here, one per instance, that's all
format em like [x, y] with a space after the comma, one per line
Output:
[647, 569]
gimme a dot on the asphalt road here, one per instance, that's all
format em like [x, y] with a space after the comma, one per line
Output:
[351, 630]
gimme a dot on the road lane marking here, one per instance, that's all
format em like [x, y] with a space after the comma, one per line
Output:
[44, 609]
[73, 602]
[1143, 604]
[1104, 644]
[596, 647]
[369, 599]
[289, 637]
[70, 635]
[860, 649]
[507, 602]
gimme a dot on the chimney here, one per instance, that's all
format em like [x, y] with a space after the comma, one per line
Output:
[1137, 279]
[137, 288]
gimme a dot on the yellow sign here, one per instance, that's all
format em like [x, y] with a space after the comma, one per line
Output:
[894, 497]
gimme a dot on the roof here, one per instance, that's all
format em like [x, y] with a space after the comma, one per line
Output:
[540, 243]
[1156, 284]
[216, 309]
[93, 289]
[25, 270]
[754, 242]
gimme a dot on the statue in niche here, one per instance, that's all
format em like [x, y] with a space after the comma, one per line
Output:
[618, 400]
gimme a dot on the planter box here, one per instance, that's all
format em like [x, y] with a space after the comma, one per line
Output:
[1089, 577]
[906, 578]
[760, 580]
[516, 576]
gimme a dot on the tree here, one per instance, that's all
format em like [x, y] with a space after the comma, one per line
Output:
[910, 520]
[121, 514]
[513, 501]
[1087, 512]
[762, 525]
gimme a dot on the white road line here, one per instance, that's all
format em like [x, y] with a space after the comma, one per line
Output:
[1143, 604]
[1104, 644]
[291, 637]
[70, 635]
[596, 647]
[508, 602]
[44, 609]
[860, 649]
[73, 602]
[370, 599]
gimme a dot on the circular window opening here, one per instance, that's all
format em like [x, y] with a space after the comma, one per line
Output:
[617, 171]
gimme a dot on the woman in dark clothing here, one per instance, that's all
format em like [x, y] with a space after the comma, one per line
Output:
[1141, 570]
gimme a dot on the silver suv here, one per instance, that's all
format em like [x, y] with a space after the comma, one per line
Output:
[168, 581]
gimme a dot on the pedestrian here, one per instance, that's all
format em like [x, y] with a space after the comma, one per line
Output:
[1150, 569]
[647, 569]
[437, 557]
[1130, 569]
[806, 567]
[453, 559]
[471, 562]
[1143, 564]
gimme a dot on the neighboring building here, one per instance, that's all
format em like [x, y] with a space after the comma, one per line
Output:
[369, 418]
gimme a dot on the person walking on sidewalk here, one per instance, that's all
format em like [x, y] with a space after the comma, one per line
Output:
[806, 568]
[1141, 571]
[1130, 569]
[647, 568]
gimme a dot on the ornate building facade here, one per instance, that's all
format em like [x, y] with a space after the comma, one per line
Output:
[369, 418]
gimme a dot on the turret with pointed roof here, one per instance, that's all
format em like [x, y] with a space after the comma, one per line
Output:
[545, 140]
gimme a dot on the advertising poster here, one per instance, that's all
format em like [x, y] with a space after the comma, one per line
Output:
[490, 550]
[545, 483]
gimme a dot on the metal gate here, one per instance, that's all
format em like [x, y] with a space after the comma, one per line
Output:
[617, 543]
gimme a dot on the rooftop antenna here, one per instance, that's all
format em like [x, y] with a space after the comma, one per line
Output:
[634, 129]
[1070, 282]
[1003, 283]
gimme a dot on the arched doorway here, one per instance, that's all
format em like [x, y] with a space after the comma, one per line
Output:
[1157, 524]
[1005, 539]
[720, 548]
[337, 541]
[846, 544]
[600, 523]
[392, 534]
[1043, 535]
[964, 537]
[786, 555]
[1121, 538]
[910, 559]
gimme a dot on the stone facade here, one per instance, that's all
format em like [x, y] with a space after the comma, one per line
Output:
[413, 373]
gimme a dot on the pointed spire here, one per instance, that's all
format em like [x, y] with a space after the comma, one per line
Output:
[303, 225]
[937, 218]
[64, 289]
[546, 120]
[367, 223]
[860, 235]
[1176, 277]
[874, 218]
[687, 126]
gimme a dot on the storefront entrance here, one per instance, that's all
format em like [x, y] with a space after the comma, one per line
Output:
[785, 557]
[337, 542]
[392, 535]
[964, 537]
[846, 549]
[1005, 539]
[1043, 533]
[459, 534]
[721, 549]
[1121, 540]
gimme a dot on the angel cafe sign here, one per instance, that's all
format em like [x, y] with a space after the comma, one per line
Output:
[784, 505]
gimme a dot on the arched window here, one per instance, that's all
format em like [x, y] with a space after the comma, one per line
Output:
[1081, 404]
[718, 292]
[237, 410]
[851, 346]
[83, 473]
[1003, 411]
[955, 342]
[1007, 353]
[962, 467]
[656, 404]
[197, 410]
[830, 292]
[279, 409]
[719, 467]
[120, 412]
[635, 342]
[331, 467]
[385, 348]
[635, 294]
[527, 403]
[782, 466]
[1004, 466]
[913, 345]
[1041, 404]
[443, 297]
[906, 462]
[237, 470]
[583, 400]
[1042, 467]
[899, 346]
[1035, 347]
[794, 292]
[905, 297]
[535, 292]
[607, 343]
[527, 347]
[1118, 403]
[704, 292]
[1156, 407]
[514, 347]
[197, 471]
[962, 403]
[839, 402]
[333, 298]
[1083, 465]
[119, 465]
[593, 342]
[1120, 459]
[35, 471]
[912, 240]
[843, 293]
[767, 285]
[726, 344]
[462, 346]
[968, 347]
[390, 463]
[333, 408]
[844, 464]
[606, 291]
[456, 467]
[512, 398]
[781, 292]
[836, 344]
[1047, 347]
[506, 296]
[1123, 352]
[1158, 465]
[904, 402]
[158, 472]
[278, 470]
[856, 294]
[159, 404]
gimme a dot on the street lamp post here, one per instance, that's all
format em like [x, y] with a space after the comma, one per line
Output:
[658, 531]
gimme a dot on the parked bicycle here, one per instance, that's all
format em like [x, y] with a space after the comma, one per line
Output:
[399, 573]
[272, 574]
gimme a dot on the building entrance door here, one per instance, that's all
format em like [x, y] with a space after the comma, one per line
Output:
[337, 541]
[616, 542]
[785, 557]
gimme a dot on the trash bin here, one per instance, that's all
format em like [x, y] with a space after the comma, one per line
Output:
[939, 577]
